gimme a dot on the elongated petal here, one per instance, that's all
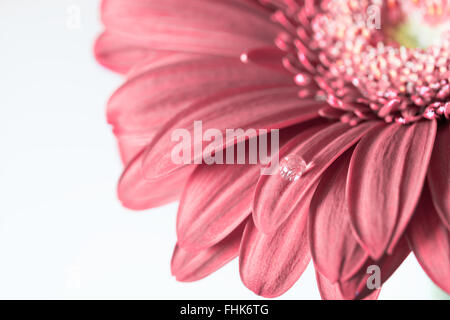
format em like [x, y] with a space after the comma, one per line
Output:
[439, 174]
[331, 291]
[277, 197]
[335, 251]
[217, 198]
[358, 286]
[120, 54]
[270, 264]
[158, 88]
[138, 194]
[253, 109]
[430, 241]
[131, 145]
[190, 266]
[385, 180]
[162, 25]
[153, 62]
[154, 93]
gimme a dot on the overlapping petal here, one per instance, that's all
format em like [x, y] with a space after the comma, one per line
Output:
[156, 91]
[439, 174]
[385, 180]
[331, 291]
[120, 53]
[363, 284]
[270, 264]
[335, 251]
[162, 25]
[430, 241]
[254, 108]
[357, 287]
[194, 265]
[216, 200]
[137, 193]
[276, 197]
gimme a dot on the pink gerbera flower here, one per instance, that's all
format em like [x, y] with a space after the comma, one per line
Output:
[368, 107]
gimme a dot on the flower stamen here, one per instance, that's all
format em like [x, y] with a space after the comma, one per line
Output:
[399, 71]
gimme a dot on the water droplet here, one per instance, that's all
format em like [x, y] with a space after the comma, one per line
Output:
[292, 167]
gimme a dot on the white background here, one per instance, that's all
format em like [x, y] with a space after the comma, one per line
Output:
[63, 233]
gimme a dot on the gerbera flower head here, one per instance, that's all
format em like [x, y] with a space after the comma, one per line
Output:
[360, 91]
[367, 70]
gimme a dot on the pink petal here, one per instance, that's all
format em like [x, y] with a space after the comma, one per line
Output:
[150, 63]
[270, 264]
[260, 107]
[120, 54]
[430, 241]
[205, 218]
[385, 180]
[439, 174]
[131, 145]
[162, 25]
[356, 287]
[194, 265]
[217, 198]
[276, 197]
[154, 92]
[332, 291]
[138, 194]
[335, 251]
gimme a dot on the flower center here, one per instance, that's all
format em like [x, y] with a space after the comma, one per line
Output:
[387, 59]
[419, 25]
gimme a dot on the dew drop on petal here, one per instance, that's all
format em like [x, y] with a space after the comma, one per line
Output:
[292, 167]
